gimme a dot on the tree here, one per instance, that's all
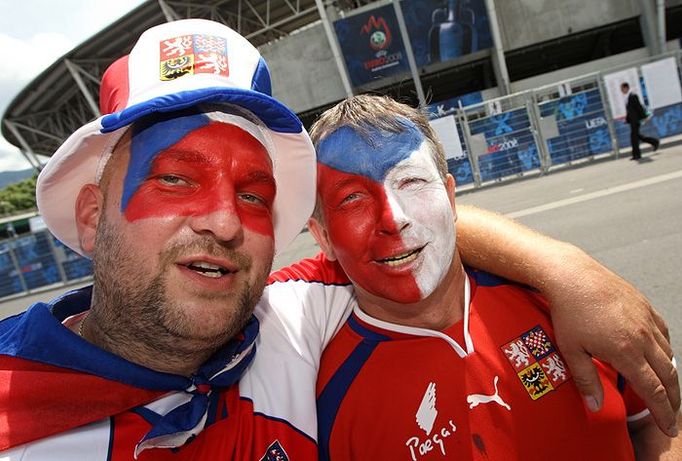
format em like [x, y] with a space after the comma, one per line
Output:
[18, 197]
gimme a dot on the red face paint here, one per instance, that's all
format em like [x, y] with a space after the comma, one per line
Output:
[363, 231]
[216, 168]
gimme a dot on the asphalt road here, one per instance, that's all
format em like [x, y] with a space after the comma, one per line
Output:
[626, 214]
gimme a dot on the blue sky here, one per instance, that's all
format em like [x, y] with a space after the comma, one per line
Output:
[35, 33]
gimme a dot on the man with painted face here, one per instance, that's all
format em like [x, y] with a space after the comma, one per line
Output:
[181, 194]
[438, 361]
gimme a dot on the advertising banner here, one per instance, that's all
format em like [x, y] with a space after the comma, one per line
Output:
[439, 30]
[583, 127]
[616, 97]
[446, 130]
[442, 30]
[371, 44]
[662, 83]
[509, 144]
[581, 124]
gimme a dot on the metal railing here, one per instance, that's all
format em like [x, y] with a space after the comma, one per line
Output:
[32, 262]
[550, 126]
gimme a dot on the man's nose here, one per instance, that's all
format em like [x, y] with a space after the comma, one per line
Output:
[393, 217]
[222, 220]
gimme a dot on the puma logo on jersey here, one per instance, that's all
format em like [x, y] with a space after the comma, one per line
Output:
[475, 400]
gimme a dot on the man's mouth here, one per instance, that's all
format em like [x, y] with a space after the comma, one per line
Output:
[402, 258]
[207, 269]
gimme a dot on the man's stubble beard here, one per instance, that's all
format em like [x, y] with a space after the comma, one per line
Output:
[134, 308]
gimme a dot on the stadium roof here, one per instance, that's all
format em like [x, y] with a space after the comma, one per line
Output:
[64, 96]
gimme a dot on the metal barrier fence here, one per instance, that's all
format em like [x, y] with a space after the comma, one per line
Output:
[30, 262]
[550, 126]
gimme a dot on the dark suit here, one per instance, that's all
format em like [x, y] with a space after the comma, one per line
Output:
[635, 114]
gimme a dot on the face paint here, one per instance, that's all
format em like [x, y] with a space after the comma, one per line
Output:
[212, 167]
[148, 140]
[387, 211]
[194, 245]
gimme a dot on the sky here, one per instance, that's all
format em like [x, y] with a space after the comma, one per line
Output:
[34, 34]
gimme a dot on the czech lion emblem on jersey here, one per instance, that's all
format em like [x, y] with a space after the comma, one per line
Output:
[537, 362]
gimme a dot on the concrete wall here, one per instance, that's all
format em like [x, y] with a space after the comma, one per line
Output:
[304, 73]
[581, 69]
[604, 65]
[525, 22]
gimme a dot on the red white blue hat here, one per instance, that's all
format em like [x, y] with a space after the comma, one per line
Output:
[176, 66]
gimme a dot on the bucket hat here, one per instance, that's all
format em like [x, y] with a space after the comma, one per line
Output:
[176, 66]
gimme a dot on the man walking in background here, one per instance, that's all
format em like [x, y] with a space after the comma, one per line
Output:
[457, 360]
[635, 114]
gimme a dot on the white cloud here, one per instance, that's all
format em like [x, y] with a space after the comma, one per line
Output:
[27, 58]
[100, 14]
[37, 33]
[11, 158]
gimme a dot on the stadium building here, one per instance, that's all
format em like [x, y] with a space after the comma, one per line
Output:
[320, 51]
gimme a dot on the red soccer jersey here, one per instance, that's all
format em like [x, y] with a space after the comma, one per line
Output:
[492, 386]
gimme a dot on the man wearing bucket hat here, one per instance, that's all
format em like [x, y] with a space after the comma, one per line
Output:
[181, 195]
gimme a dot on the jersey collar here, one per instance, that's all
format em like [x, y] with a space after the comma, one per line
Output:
[389, 327]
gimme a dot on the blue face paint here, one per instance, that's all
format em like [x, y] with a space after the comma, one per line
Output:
[150, 139]
[347, 151]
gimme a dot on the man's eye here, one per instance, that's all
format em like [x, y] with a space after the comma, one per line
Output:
[411, 182]
[171, 180]
[350, 198]
[252, 198]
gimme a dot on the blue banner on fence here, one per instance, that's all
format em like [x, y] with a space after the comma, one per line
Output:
[9, 277]
[583, 128]
[460, 169]
[582, 125]
[36, 260]
[75, 266]
[666, 121]
[511, 144]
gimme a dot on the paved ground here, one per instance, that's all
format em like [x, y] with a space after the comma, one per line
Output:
[626, 214]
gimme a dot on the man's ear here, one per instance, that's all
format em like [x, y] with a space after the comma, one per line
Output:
[89, 207]
[321, 237]
[450, 188]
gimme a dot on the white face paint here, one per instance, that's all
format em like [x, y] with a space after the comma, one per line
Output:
[423, 215]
